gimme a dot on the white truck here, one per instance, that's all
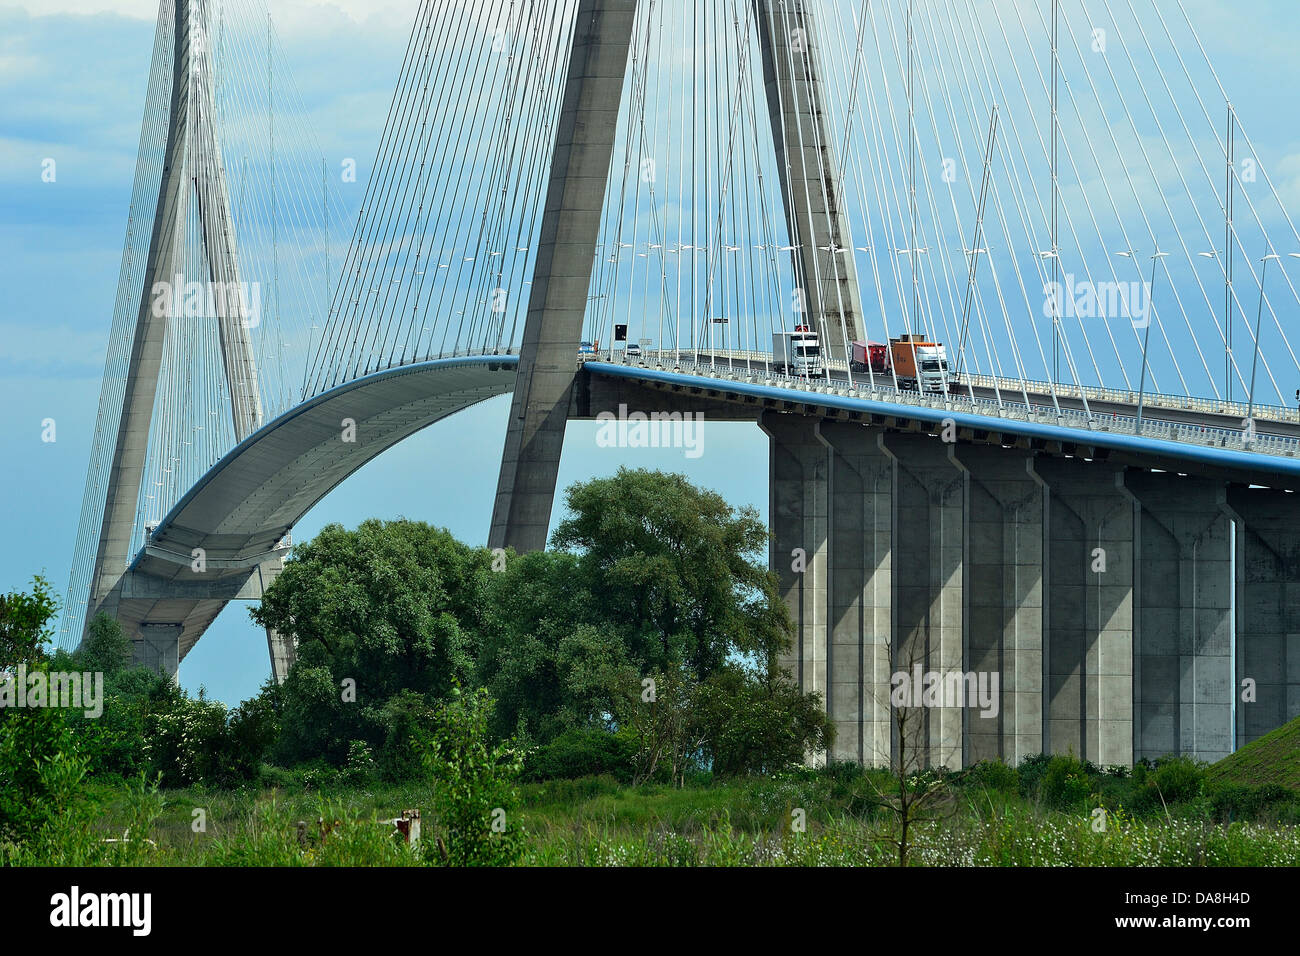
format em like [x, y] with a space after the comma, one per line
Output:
[797, 353]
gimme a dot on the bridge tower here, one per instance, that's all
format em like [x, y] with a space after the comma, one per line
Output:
[192, 167]
[812, 194]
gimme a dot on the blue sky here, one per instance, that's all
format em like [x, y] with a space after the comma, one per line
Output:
[72, 81]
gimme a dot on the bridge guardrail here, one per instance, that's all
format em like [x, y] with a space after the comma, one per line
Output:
[1207, 406]
[1186, 432]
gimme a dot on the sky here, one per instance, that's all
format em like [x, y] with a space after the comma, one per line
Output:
[73, 75]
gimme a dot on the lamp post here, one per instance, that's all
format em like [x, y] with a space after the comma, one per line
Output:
[1146, 337]
[1254, 362]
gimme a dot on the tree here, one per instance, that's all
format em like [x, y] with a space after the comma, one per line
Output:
[393, 606]
[754, 722]
[26, 624]
[920, 792]
[395, 601]
[676, 572]
[105, 649]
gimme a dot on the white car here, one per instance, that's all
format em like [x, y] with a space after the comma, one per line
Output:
[633, 350]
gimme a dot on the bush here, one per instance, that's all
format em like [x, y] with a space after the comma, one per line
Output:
[1031, 771]
[994, 775]
[1065, 784]
[474, 785]
[40, 770]
[583, 752]
[1235, 801]
[1179, 778]
[408, 721]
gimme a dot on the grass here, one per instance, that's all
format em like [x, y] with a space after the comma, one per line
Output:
[1272, 759]
[595, 821]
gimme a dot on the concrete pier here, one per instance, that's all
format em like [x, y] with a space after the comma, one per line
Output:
[860, 477]
[1267, 609]
[1005, 507]
[797, 487]
[929, 559]
[1182, 653]
[1088, 642]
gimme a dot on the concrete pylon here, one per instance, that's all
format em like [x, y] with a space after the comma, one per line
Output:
[1183, 641]
[809, 169]
[584, 146]
[192, 161]
[929, 557]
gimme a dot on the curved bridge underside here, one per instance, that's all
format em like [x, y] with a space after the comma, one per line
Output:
[241, 512]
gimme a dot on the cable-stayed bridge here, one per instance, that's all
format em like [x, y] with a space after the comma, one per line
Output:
[595, 204]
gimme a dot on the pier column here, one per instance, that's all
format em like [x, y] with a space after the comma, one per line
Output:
[859, 568]
[928, 561]
[157, 647]
[1088, 585]
[798, 514]
[1183, 695]
[1005, 507]
[1268, 608]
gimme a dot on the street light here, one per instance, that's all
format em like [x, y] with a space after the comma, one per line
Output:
[1254, 363]
[1146, 338]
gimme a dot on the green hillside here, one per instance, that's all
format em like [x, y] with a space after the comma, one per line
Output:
[1274, 758]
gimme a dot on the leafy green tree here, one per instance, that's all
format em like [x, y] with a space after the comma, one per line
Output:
[676, 572]
[26, 623]
[105, 649]
[754, 723]
[41, 766]
[392, 606]
[395, 601]
[408, 722]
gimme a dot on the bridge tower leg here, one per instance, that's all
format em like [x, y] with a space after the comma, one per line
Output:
[1268, 609]
[813, 198]
[192, 160]
[584, 146]
[809, 170]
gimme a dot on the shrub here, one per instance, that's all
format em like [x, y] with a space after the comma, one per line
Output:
[583, 752]
[995, 775]
[1235, 801]
[474, 785]
[409, 721]
[1065, 784]
[1178, 779]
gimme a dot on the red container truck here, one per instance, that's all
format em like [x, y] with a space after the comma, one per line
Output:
[916, 363]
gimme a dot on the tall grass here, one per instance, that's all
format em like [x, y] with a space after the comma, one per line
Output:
[825, 819]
